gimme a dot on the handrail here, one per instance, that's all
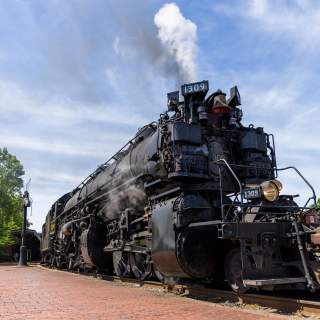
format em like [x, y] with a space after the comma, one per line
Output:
[314, 197]
[235, 177]
[272, 150]
[229, 166]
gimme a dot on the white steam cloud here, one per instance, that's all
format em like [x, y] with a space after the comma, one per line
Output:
[179, 38]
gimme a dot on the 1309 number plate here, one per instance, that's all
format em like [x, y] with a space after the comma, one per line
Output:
[251, 193]
[192, 88]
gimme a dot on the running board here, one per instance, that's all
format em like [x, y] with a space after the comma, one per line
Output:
[267, 282]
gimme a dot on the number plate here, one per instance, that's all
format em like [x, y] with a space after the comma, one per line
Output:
[252, 193]
[191, 88]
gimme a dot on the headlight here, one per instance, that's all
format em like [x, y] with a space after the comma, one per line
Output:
[271, 189]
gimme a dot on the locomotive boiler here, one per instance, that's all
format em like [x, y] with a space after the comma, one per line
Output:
[194, 196]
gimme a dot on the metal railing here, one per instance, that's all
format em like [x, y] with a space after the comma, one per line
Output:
[239, 202]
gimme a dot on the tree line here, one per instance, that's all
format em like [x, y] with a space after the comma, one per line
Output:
[11, 202]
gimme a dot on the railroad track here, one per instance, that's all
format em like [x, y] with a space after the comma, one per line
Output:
[275, 303]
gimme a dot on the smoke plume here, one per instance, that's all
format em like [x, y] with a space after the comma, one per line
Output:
[179, 38]
[129, 197]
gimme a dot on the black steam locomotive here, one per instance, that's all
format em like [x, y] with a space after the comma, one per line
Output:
[191, 197]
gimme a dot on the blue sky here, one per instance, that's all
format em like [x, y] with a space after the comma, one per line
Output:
[77, 78]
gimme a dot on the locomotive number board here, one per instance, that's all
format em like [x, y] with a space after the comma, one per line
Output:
[251, 193]
[196, 87]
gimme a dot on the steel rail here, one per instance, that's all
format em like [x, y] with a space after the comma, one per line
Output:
[278, 304]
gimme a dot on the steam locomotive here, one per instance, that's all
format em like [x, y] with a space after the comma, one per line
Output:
[194, 196]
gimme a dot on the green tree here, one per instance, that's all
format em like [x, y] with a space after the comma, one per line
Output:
[11, 184]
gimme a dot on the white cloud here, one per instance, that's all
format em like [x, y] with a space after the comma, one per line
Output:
[297, 19]
[116, 46]
[58, 111]
[61, 177]
[120, 47]
[42, 200]
[50, 146]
